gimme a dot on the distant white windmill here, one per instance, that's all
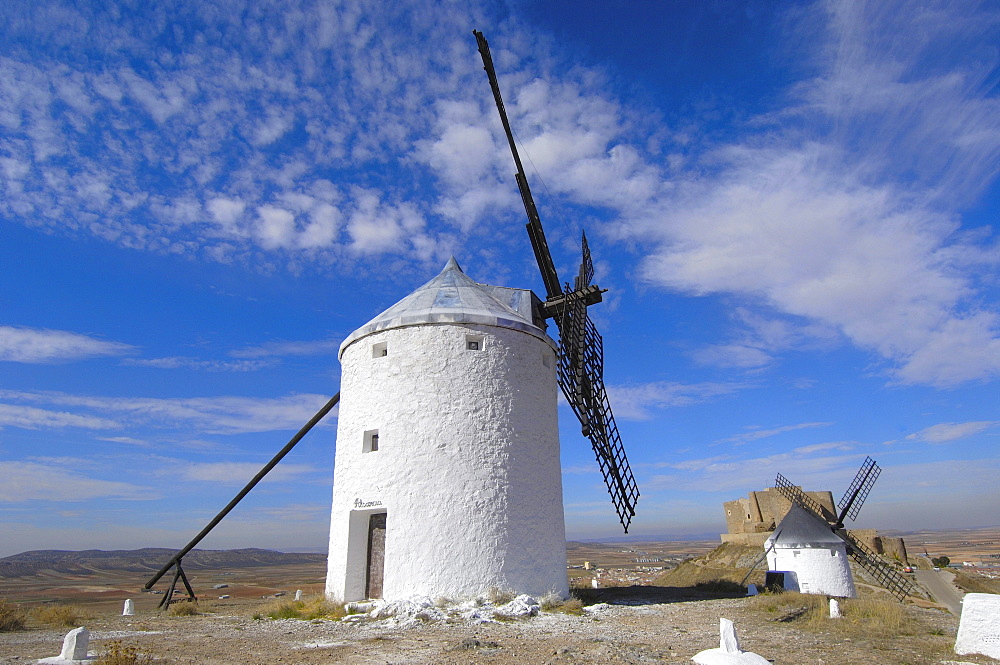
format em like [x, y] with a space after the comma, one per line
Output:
[812, 546]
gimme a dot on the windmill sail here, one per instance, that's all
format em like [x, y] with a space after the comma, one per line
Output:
[850, 504]
[580, 370]
[863, 555]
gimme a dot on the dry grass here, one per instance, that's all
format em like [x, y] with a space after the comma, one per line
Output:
[873, 617]
[314, 608]
[553, 602]
[184, 609]
[12, 617]
[121, 654]
[791, 606]
[498, 596]
[59, 615]
[976, 583]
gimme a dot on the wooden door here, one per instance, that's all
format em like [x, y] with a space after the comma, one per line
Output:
[376, 556]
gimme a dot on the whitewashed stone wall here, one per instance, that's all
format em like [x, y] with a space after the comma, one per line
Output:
[467, 469]
[819, 570]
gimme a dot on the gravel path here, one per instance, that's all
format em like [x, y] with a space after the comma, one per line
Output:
[647, 630]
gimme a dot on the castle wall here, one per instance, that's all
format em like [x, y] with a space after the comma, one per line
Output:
[761, 511]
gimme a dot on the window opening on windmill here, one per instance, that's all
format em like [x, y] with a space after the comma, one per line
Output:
[546, 358]
[371, 441]
[380, 350]
[474, 342]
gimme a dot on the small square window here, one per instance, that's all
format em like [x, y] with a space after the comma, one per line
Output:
[371, 441]
[472, 346]
[473, 342]
[380, 350]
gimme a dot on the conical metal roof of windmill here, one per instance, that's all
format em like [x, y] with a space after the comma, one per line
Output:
[454, 297]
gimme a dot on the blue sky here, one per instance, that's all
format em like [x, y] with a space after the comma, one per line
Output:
[793, 206]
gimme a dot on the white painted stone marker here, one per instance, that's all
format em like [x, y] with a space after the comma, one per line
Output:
[728, 641]
[752, 590]
[834, 609]
[298, 594]
[129, 609]
[979, 627]
[74, 649]
[728, 652]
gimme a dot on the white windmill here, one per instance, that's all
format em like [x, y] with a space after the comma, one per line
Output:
[812, 545]
[447, 479]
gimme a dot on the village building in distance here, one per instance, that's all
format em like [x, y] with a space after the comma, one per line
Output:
[752, 520]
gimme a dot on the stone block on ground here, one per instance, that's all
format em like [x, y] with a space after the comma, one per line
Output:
[74, 649]
[728, 652]
[834, 609]
[979, 625]
[129, 609]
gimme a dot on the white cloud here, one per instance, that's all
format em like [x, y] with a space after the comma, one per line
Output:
[29, 417]
[31, 481]
[176, 362]
[275, 227]
[946, 432]
[635, 402]
[236, 473]
[39, 345]
[853, 227]
[210, 415]
[310, 348]
[757, 434]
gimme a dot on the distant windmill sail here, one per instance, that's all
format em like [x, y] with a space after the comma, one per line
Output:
[850, 504]
[580, 370]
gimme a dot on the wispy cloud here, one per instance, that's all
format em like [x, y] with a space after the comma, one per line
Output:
[211, 415]
[946, 432]
[182, 362]
[33, 481]
[637, 402]
[332, 137]
[840, 209]
[39, 345]
[305, 348]
[236, 473]
[756, 434]
[29, 417]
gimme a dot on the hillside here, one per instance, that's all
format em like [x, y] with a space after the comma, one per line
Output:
[728, 561]
[149, 559]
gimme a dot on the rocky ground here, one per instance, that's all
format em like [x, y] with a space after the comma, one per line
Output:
[635, 626]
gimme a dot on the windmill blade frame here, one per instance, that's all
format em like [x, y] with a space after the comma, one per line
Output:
[869, 560]
[854, 498]
[580, 366]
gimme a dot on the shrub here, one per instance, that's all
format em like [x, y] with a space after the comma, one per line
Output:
[58, 615]
[317, 608]
[553, 602]
[184, 609]
[12, 617]
[120, 654]
[498, 596]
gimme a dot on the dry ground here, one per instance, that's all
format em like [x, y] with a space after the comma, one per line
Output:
[641, 625]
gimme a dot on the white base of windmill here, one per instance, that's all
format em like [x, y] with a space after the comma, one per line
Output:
[447, 478]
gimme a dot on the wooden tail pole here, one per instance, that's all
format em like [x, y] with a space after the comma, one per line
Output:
[176, 559]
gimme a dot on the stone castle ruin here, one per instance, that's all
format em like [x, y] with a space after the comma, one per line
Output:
[752, 520]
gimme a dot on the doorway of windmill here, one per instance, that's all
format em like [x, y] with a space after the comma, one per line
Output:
[375, 569]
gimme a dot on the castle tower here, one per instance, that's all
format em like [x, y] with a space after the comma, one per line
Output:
[813, 558]
[447, 479]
